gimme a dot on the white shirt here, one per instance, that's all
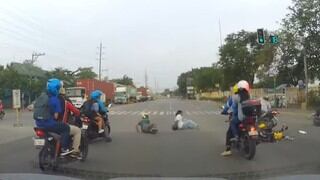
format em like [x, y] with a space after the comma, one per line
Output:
[179, 119]
[265, 105]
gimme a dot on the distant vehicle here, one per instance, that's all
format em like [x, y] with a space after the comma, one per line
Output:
[125, 94]
[77, 95]
[190, 92]
[143, 94]
[108, 88]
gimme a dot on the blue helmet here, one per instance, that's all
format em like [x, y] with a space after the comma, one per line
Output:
[53, 86]
[95, 95]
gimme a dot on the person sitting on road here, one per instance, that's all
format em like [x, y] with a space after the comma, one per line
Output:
[65, 116]
[46, 112]
[180, 123]
[145, 125]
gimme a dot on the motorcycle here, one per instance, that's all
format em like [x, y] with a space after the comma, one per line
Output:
[50, 154]
[266, 123]
[91, 130]
[248, 134]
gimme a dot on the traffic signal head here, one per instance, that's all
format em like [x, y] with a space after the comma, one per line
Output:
[260, 35]
[274, 39]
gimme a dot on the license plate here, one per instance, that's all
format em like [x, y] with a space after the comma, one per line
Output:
[84, 126]
[39, 142]
[253, 133]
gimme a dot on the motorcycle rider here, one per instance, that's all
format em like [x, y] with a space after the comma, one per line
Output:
[145, 124]
[97, 107]
[67, 108]
[237, 114]
[53, 109]
[229, 134]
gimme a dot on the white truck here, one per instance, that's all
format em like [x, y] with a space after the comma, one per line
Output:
[77, 95]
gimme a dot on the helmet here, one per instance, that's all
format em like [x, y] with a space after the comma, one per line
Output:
[243, 85]
[235, 88]
[144, 115]
[95, 95]
[53, 86]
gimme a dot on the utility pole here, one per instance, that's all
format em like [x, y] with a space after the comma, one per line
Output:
[146, 79]
[305, 74]
[100, 55]
[220, 33]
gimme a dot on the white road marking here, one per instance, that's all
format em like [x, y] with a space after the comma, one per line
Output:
[161, 113]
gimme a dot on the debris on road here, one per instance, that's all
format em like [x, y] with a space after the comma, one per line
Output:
[302, 132]
[289, 138]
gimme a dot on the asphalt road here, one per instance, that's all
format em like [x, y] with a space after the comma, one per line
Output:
[172, 153]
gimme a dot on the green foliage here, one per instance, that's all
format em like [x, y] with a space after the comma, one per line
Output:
[125, 80]
[85, 73]
[241, 57]
[204, 79]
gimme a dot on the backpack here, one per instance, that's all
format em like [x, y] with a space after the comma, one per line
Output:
[41, 108]
[86, 108]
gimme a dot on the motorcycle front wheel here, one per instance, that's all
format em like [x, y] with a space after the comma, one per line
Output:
[249, 147]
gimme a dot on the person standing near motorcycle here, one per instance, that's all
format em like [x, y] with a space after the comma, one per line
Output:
[265, 104]
[2, 113]
[75, 131]
[227, 108]
[46, 113]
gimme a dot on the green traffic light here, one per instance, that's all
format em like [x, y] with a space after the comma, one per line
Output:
[274, 39]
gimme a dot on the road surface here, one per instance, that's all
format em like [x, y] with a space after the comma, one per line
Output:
[170, 153]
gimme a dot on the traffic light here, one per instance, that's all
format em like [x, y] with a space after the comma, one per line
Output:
[274, 39]
[260, 36]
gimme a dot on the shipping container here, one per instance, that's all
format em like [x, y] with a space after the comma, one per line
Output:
[108, 88]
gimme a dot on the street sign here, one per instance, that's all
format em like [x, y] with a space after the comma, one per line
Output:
[16, 98]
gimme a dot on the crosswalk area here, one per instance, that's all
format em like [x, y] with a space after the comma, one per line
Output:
[162, 113]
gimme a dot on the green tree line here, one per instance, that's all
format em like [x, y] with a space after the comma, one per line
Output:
[242, 57]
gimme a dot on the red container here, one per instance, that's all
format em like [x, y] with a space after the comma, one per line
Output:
[143, 91]
[108, 88]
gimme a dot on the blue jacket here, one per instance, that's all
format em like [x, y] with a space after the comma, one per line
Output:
[228, 105]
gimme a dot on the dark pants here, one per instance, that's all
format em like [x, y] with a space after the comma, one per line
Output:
[64, 131]
[229, 135]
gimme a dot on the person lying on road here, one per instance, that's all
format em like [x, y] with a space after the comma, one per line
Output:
[145, 125]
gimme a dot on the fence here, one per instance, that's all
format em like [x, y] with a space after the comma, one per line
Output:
[285, 97]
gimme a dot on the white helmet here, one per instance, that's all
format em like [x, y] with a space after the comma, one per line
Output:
[244, 85]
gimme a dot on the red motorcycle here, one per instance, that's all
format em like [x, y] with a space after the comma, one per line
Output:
[50, 145]
[248, 134]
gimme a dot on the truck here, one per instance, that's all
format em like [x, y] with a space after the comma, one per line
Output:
[89, 85]
[77, 95]
[142, 94]
[190, 92]
[125, 94]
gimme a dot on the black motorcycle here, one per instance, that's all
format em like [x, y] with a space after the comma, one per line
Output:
[50, 154]
[91, 129]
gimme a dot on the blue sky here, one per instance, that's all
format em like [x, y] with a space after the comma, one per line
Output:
[164, 37]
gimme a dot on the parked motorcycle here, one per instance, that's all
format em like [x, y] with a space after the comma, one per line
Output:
[50, 154]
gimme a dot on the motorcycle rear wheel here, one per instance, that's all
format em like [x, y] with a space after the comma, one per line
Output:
[84, 147]
[47, 161]
[249, 148]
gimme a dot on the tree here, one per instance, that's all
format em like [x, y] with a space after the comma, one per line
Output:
[85, 73]
[242, 57]
[302, 21]
[65, 75]
[125, 80]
